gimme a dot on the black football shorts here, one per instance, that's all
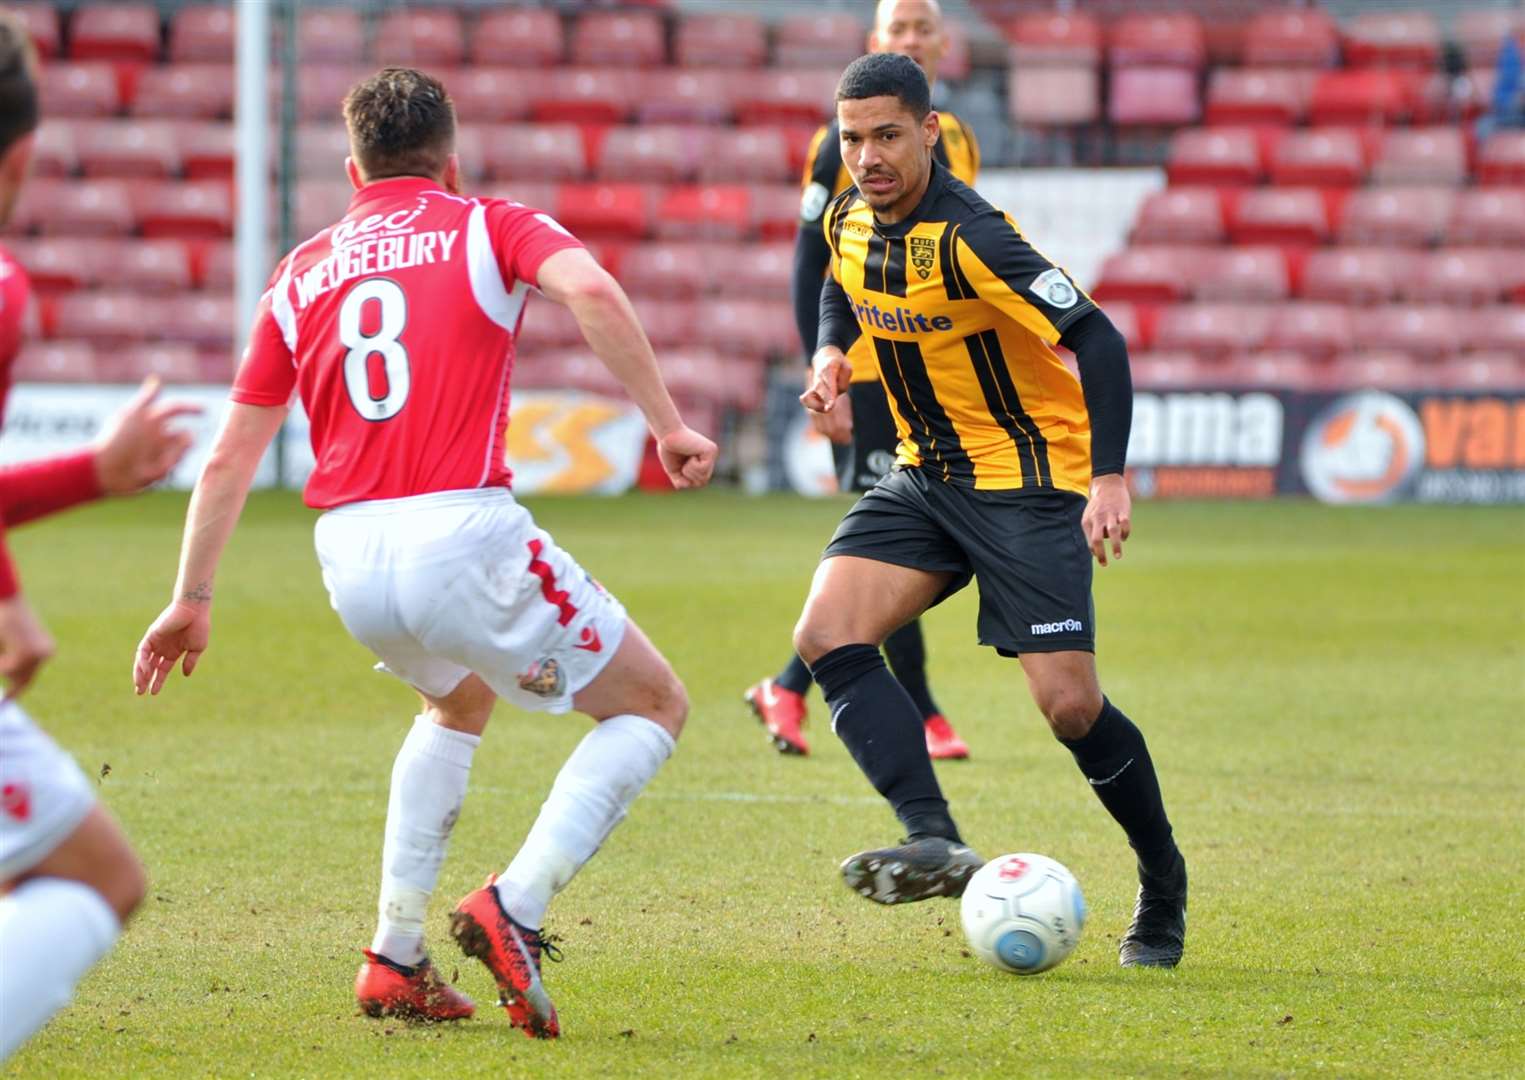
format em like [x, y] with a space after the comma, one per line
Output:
[1026, 550]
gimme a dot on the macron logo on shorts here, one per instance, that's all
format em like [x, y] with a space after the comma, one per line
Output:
[1067, 626]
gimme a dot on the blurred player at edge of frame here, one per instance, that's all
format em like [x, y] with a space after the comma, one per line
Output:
[68, 877]
[861, 429]
[396, 326]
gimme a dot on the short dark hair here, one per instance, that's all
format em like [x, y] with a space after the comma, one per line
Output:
[401, 123]
[887, 75]
[18, 81]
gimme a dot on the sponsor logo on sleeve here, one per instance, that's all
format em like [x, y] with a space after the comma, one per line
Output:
[1054, 289]
[813, 203]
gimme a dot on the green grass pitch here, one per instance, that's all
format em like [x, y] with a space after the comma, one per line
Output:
[1333, 697]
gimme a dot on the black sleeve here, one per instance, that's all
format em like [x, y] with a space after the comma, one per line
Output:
[812, 255]
[837, 325]
[1108, 387]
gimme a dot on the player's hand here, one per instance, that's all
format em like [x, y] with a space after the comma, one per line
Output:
[831, 375]
[837, 424]
[687, 457]
[25, 645]
[1108, 516]
[140, 444]
[182, 629]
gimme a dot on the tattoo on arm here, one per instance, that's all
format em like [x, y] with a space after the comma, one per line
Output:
[199, 593]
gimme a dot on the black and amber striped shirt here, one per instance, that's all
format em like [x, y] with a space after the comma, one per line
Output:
[961, 313]
[826, 176]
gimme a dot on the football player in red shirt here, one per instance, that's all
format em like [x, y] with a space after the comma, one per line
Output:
[396, 326]
[68, 877]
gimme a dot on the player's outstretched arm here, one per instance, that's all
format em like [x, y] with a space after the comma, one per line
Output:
[608, 322]
[184, 628]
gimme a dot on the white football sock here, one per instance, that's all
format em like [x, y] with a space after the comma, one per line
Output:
[595, 787]
[52, 931]
[428, 787]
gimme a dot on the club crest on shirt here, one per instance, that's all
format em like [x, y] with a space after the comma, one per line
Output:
[544, 678]
[923, 254]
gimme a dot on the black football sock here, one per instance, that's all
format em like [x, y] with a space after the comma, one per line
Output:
[1115, 759]
[795, 676]
[907, 654]
[878, 721]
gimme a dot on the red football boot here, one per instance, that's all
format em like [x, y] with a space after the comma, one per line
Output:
[384, 988]
[512, 953]
[782, 712]
[943, 742]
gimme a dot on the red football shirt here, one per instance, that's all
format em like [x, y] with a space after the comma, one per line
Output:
[397, 328]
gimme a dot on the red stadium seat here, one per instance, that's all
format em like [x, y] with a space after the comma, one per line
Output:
[619, 39]
[185, 91]
[130, 149]
[1489, 216]
[748, 327]
[60, 264]
[769, 269]
[85, 89]
[605, 210]
[321, 89]
[1428, 332]
[1154, 95]
[1281, 216]
[118, 31]
[519, 38]
[729, 40]
[1465, 277]
[173, 363]
[1280, 369]
[1311, 327]
[202, 32]
[206, 150]
[1158, 39]
[1474, 92]
[668, 153]
[107, 318]
[41, 21]
[330, 35]
[202, 320]
[672, 95]
[1400, 217]
[535, 152]
[1392, 39]
[1212, 330]
[1053, 96]
[548, 325]
[541, 195]
[1355, 275]
[81, 208]
[756, 155]
[582, 96]
[1497, 329]
[715, 212]
[832, 39]
[214, 266]
[426, 38]
[677, 271]
[319, 204]
[321, 150]
[1157, 274]
[1171, 370]
[1432, 155]
[668, 323]
[1380, 369]
[1244, 274]
[55, 361]
[1360, 97]
[1292, 37]
[1064, 38]
[1258, 96]
[1501, 159]
[1485, 372]
[1135, 322]
[1180, 216]
[774, 96]
[55, 148]
[1324, 157]
[1218, 156]
[775, 211]
[490, 95]
[192, 210]
[1481, 33]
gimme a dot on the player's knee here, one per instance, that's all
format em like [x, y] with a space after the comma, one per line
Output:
[1070, 710]
[121, 881]
[813, 640]
[669, 709]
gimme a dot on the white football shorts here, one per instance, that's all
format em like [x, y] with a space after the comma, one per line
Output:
[442, 585]
[43, 793]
